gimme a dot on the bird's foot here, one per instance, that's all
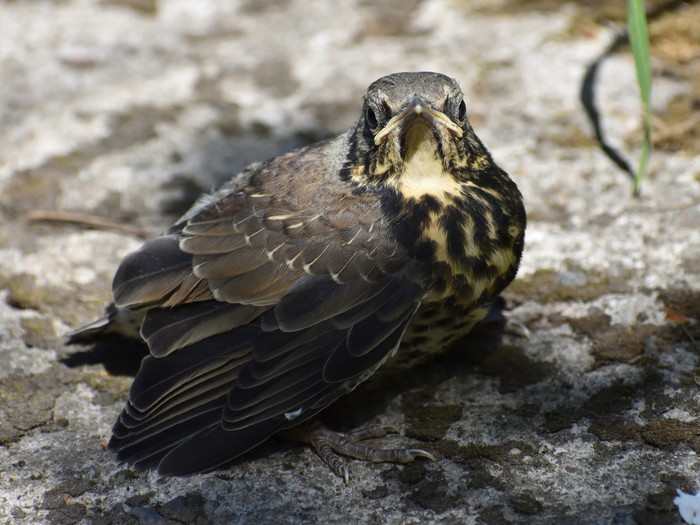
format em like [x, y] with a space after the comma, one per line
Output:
[331, 445]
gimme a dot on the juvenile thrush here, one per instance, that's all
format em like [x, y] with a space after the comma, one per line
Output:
[303, 275]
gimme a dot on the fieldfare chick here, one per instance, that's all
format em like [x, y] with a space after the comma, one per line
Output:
[300, 277]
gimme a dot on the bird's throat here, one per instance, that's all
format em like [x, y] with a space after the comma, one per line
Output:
[423, 171]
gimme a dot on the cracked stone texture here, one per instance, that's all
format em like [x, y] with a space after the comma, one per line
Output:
[128, 109]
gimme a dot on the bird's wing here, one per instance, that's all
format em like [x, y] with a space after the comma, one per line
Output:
[260, 314]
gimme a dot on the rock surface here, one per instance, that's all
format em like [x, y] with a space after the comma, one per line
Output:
[128, 109]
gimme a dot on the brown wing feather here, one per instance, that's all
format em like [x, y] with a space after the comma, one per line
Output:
[264, 306]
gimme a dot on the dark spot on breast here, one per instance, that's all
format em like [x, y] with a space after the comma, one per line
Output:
[450, 302]
[461, 286]
[407, 231]
[425, 250]
[411, 217]
[443, 322]
[429, 203]
[422, 208]
[392, 203]
[478, 212]
[477, 265]
[439, 285]
[452, 222]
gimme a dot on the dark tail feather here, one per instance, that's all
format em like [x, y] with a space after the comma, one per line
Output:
[117, 321]
[89, 333]
[214, 447]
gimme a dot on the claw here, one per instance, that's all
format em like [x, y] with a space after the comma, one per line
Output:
[420, 453]
[516, 328]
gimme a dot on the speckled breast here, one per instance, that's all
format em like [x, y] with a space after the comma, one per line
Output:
[433, 330]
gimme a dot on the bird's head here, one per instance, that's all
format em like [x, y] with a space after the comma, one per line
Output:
[414, 134]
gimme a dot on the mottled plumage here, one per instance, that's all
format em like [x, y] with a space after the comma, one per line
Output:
[294, 282]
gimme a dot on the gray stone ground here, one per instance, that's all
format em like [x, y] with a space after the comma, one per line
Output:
[127, 109]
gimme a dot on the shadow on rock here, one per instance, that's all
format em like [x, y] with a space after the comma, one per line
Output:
[120, 356]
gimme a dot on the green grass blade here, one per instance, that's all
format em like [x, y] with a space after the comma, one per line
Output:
[639, 40]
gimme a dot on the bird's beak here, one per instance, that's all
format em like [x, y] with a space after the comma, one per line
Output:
[417, 110]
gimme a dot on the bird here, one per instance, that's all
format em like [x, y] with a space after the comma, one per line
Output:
[303, 275]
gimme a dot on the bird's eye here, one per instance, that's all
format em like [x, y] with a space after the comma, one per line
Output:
[371, 117]
[462, 111]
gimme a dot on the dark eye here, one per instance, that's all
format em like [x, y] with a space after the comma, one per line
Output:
[371, 117]
[462, 111]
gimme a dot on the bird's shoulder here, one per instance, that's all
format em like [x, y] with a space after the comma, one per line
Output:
[306, 182]
[250, 242]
